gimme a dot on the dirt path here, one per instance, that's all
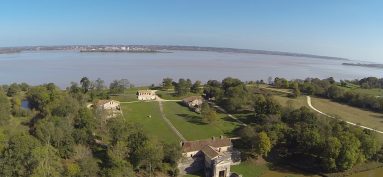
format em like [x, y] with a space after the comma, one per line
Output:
[351, 123]
[174, 129]
[229, 115]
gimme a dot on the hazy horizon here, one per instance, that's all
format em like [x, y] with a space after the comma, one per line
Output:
[346, 29]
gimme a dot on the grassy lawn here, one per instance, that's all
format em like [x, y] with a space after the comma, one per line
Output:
[378, 172]
[169, 95]
[248, 169]
[294, 102]
[357, 89]
[349, 113]
[125, 97]
[191, 126]
[154, 126]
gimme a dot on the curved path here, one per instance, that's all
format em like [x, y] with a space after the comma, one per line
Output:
[351, 123]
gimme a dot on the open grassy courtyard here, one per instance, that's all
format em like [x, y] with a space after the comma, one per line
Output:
[155, 126]
[191, 126]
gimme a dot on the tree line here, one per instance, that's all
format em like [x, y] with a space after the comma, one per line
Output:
[337, 91]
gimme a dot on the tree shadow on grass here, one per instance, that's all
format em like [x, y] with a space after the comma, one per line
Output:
[192, 119]
[377, 116]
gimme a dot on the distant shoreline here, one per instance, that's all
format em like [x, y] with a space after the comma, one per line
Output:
[159, 48]
[364, 65]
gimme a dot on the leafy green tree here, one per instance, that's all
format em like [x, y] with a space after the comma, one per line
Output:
[5, 109]
[85, 84]
[263, 145]
[172, 154]
[119, 86]
[13, 90]
[349, 153]
[17, 159]
[213, 90]
[48, 162]
[89, 167]
[167, 83]
[196, 87]
[150, 155]
[208, 114]
[182, 87]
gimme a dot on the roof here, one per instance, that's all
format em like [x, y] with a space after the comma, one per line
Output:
[210, 152]
[146, 91]
[191, 146]
[192, 98]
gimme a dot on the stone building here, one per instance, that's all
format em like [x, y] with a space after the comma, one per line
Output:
[214, 156]
[146, 95]
[193, 102]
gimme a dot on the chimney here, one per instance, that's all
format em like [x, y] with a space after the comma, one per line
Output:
[213, 138]
[221, 136]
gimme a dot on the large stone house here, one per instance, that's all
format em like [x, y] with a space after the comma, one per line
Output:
[215, 156]
[110, 107]
[193, 102]
[146, 95]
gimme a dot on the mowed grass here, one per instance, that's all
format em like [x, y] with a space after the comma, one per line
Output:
[192, 127]
[170, 95]
[294, 102]
[373, 92]
[248, 169]
[154, 126]
[349, 113]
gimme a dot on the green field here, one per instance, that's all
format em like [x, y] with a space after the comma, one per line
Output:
[155, 126]
[248, 169]
[191, 126]
[374, 92]
[294, 102]
[349, 113]
[169, 95]
[345, 112]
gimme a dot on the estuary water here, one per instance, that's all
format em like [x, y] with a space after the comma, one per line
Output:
[62, 67]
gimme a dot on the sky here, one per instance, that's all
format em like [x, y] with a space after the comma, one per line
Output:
[342, 28]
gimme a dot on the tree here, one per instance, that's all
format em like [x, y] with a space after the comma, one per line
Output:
[208, 114]
[182, 87]
[150, 155]
[167, 83]
[85, 84]
[196, 87]
[16, 159]
[99, 84]
[119, 86]
[172, 154]
[13, 90]
[5, 109]
[48, 162]
[263, 145]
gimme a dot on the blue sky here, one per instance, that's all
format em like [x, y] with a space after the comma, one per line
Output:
[344, 28]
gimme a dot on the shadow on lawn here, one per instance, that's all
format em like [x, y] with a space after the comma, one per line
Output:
[192, 119]
[377, 116]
